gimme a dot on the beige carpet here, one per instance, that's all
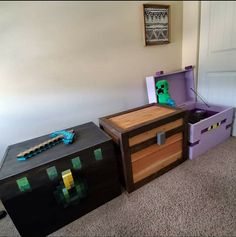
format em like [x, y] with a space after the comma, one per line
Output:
[197, 198]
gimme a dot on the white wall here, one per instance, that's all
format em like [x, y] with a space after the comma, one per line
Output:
[191, 25]
[67, 63]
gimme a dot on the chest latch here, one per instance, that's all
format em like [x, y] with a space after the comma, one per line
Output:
[161, 138]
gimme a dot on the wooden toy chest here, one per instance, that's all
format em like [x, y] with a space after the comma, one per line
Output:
[136, 133]
[208, 132]
[39, 209]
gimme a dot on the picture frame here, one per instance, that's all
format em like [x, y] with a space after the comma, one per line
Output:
[156, 24]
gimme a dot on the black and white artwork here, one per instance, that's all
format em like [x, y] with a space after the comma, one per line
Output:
[156, 19]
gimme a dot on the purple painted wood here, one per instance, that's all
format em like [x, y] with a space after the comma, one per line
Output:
[159, 73]
[180, 84]
[188, 67]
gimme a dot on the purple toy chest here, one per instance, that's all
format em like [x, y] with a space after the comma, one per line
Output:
[209, 131]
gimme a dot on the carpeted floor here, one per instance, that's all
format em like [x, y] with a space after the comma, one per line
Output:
[197, 198]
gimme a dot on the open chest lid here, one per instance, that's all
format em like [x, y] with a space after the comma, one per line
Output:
[181, 85]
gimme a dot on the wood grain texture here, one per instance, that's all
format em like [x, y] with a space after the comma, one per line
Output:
[125, 121]
[112, 135]
[155, 167]
[156, 157]
[152, 141]
[156, 148]
[126, 160]
[136, 131]
[158, 173]
[152, 133]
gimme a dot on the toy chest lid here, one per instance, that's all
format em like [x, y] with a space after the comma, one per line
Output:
[181, 85]
[88, 135]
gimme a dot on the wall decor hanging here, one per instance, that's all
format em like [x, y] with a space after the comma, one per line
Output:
[156, 24]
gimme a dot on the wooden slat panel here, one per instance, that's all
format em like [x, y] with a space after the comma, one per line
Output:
[134, 118]
[153, 149]
[152, 133]
[155, 167]
[154, 158]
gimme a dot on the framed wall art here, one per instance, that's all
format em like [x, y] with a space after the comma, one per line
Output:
[156, 24]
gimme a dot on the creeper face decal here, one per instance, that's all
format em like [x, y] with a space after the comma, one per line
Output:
[162, 91]
[70, 191]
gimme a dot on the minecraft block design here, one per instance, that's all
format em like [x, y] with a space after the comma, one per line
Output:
[49, 205]
[23, 184]
[76, 163]
[67, 197]
[98, 154]
[68, 179]
[66, 194]
[214, 126]
[162, 91]
[52, 173]
[81, 190]
[136, 131]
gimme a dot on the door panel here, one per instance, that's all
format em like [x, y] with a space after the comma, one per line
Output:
[217, 53]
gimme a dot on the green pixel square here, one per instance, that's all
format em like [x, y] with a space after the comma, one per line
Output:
[76, 163]
[98, 154]
[23, 184]
[52, 173]
[66, 193]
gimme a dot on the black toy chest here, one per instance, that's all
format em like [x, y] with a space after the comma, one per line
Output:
[40, 207]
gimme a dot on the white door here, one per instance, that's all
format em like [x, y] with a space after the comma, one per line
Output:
[217, 53]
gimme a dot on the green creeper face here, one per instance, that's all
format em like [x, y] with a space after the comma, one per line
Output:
[162, 91]
[162, 87]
